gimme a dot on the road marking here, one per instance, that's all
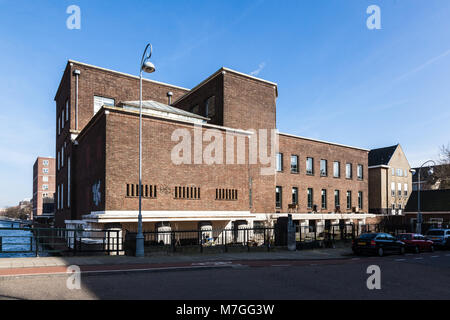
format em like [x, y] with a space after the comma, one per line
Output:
[281, 265]
[447, 255]
[400, 259]
[356, 258]
[418, 258]
[434, 256]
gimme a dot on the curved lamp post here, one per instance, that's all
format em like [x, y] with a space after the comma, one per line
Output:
[148, 67]
[419, 214]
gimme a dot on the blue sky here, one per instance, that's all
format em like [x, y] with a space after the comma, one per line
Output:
[337, 80]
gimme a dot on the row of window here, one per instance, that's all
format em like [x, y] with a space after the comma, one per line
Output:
[399, 189]
[309, 198]
[63, 117]
[226, 194]
[400, 172]
[323, 167]
[191, 193]
[147, 191]
[60, 157]
[60, 190]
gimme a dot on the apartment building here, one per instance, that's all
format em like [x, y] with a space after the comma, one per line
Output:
[390, 180]
[199, 156]
[43, 188]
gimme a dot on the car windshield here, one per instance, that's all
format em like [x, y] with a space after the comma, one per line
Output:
[368, 236]
[435, 233]
[404, 237]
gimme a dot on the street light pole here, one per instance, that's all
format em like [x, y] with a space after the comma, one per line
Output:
[419, 214]
[146, 66]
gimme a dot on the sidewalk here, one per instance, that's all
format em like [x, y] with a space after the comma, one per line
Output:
[316, 254]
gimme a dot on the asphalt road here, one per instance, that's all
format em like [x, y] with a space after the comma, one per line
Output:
[412, 276]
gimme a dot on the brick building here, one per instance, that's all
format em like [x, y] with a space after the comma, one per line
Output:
[205, 157]
[43, 188]
[390, 179]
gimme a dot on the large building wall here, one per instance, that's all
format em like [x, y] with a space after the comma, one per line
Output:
[304, 148]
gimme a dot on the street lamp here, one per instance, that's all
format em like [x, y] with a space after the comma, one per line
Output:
[148, 67]
[419, 214]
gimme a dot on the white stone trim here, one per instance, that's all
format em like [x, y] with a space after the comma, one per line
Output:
[322, 141]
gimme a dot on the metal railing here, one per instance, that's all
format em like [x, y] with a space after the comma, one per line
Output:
[60, 241]
[222, 239]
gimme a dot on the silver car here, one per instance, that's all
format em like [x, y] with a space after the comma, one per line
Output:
[440, 237]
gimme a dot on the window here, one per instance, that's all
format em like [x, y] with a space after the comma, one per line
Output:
[349, 199]
[62, 119]
[294, 164]
[59, 125]
[405, 189]
[99, 102]
[337, 200]
[360, 199]
[45, 170]
[67, 109]
[193, 193]
[323, 168]
[148, 191]
[44, 195]
[279, 162]
[294, 195]
[359, 171]
[58, 160]
[278, 197]
[324, 198]
[225, 194]
[211, 108]
[399, 172]
[405, 172]
[45, 163]
[399, 189]
[68, 182]
[310, 166]
[393, 171]
[62, 195]
[348, 170]
[393, 189]
[45, 178]
[45, 187]
[57, 202]
[62, 157]
[336, 169]
[309, 198]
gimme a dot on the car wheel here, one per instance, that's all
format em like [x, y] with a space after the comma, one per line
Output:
[416, 249]
[402, 250]
[380, 252]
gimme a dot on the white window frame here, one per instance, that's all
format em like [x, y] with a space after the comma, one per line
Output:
[45, 187]
[44, 178]
[45, 163]
[45, 170]
[336, 169]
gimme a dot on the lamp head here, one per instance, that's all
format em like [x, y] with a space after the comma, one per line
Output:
[148, 67]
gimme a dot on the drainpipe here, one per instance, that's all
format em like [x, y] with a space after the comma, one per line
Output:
[76, 73]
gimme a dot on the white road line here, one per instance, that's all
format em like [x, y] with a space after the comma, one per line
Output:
[400, 259]
[281, 265]
[434, 256]
[418, 258]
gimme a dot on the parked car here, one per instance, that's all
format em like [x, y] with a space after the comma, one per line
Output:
[416, 242]
[440, 237]
[377, 243]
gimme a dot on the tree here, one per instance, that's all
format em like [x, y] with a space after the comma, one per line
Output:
[22, 212]
[441, 172]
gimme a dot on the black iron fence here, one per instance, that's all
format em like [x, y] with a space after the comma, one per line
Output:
[212, 240]
[60, 241]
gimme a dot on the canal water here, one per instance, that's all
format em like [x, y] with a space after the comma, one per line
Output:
[16, 240]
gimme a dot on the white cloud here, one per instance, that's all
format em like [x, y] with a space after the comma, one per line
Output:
[261, 66]
[424, 65]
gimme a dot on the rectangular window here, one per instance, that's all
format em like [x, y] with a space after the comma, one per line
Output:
[278, 197]
[45, 187]
[62, 196]
[67, 109]
[294, 164]
[399, 189]
[348, 170]
[279, 162]
[148, 191]
[45, 163]
[399, 172]
[393, 171]
[221, 194]
[336, 169]
[62, 157]
[359, 171]
[405, 173]
[57, 201]
[405, 189]
[211, 108]
[294, 195]
[45, 178]
[337, 200]
[323, 168]
[62, 119]
[58, 161]
[193, 193]
[99, 102]
[393, 189]
[59, 125]
[349, 200]
[324, 199]
[360, 199]
[309, 199]
[45, 170]
[310, 166]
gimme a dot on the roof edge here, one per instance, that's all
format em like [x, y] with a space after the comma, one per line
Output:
[322, 141]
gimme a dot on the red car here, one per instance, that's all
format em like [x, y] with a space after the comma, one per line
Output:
[416, 242]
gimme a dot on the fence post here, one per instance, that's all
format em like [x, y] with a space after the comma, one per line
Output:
[226, 248]
[117, 241]
[31, 244]
[248, 242]
[200, 241]
[37, 242]
[172, 241]
[1, 244]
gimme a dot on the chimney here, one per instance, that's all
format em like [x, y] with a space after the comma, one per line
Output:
[169, 96]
